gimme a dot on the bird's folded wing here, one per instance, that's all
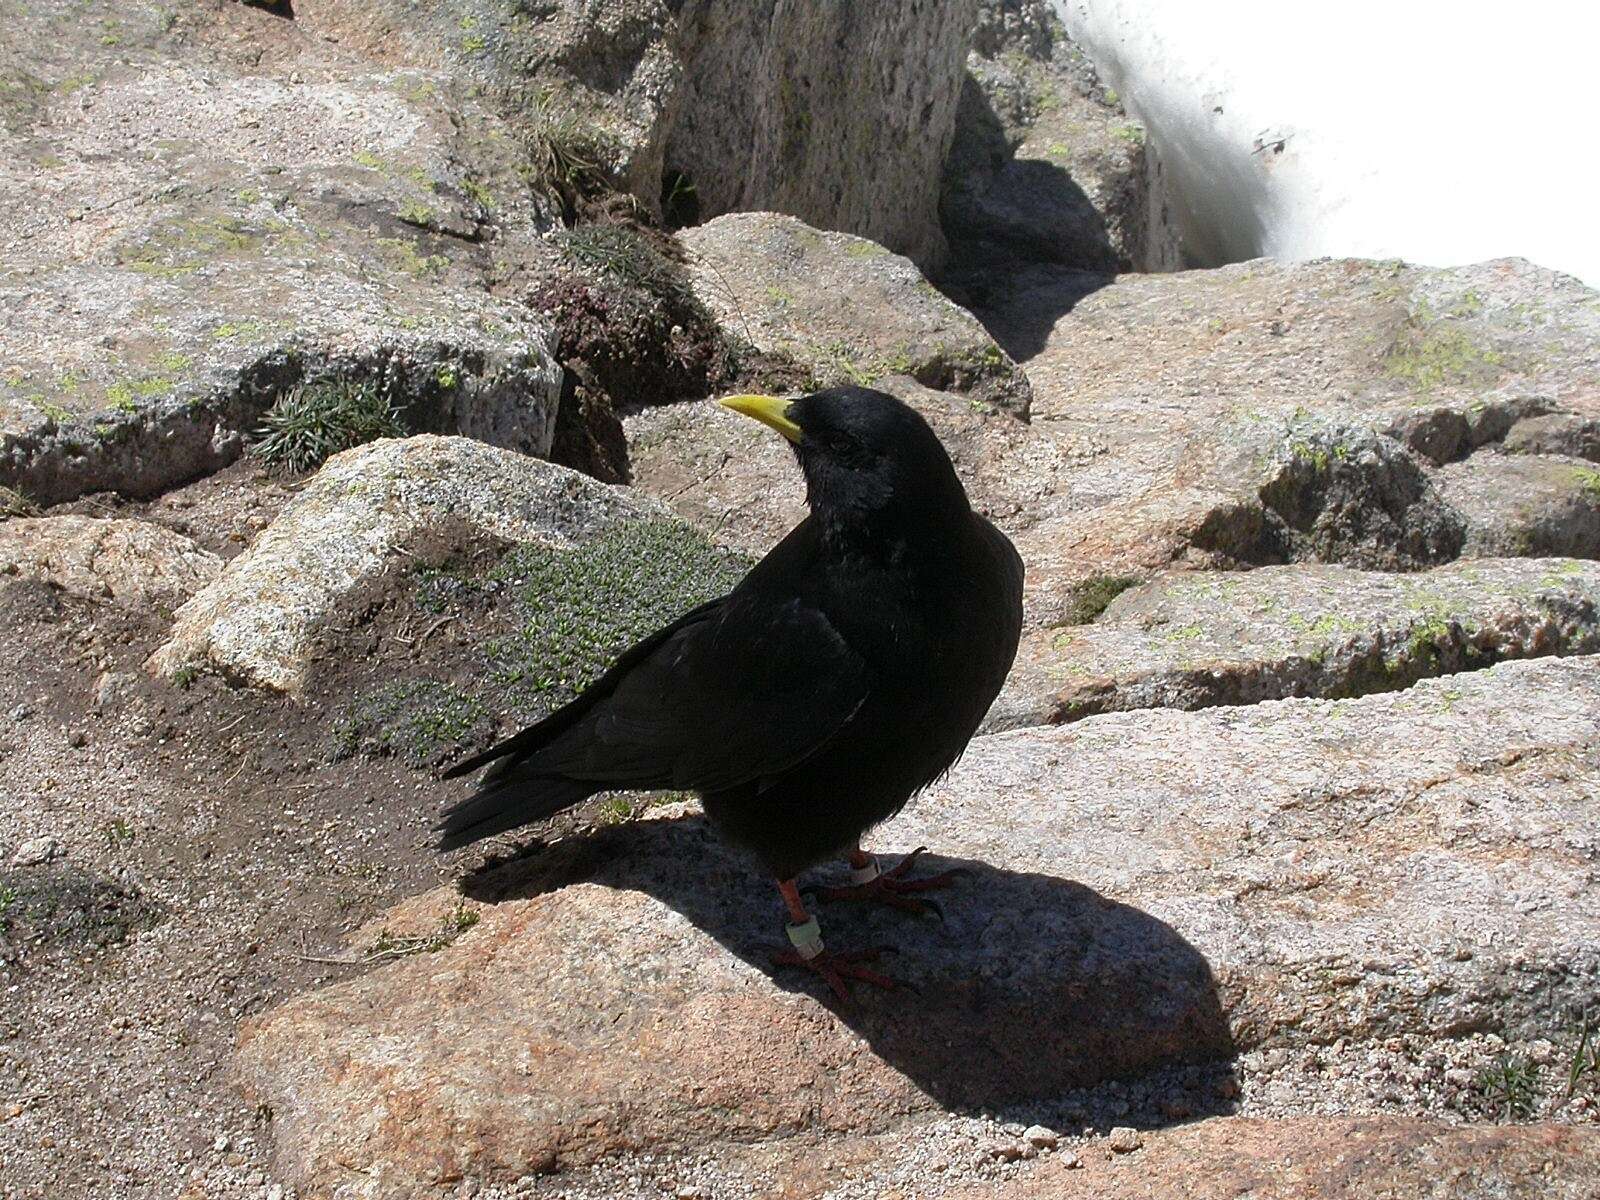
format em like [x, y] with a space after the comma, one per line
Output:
[719, 703]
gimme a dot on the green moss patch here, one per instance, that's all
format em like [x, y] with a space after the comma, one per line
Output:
[1089, 598]
[1429, 354]
[579, 609]
[67, 907]
[422, 722]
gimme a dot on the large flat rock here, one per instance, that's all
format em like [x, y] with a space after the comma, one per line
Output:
[1147, 889]
[132, 564]
[1230, 1158]
[187, 239]
[844, 307]
[1192, 639]
[1257, 414]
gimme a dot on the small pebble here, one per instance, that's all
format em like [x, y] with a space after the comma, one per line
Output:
[1012, 1151]
[1125, 1140]
[21, 712]
[1070, 1160]
[1040, 1137]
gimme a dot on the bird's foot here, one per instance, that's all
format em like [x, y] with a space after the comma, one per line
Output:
[836, 967]
[891, 887]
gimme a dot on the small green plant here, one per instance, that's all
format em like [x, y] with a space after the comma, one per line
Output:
[563, 155]
[456, 922]
[8, 897]
[1589, 481]
[413, 212]
[680, 200]
[118, 833]
[308, 424]
[16, 504]
[1509, 1089]
[614, 810]
[627, 256]
[185, 676]
[1585, 1061]
[1088, 599]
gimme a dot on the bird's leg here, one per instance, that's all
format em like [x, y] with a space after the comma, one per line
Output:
[889, 887]
[805, 935]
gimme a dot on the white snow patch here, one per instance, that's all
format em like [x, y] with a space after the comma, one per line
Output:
[1439, 133]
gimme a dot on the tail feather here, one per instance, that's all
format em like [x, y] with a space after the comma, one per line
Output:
[506, 801]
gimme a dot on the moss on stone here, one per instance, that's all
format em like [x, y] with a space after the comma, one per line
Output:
[1430, 353]
[1088, 598]
[405, 255]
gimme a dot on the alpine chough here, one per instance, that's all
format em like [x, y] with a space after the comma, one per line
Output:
[846, 671]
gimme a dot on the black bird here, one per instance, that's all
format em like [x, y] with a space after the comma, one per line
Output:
[846, 671]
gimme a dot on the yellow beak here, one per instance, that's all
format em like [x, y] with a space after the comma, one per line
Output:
[769, 410]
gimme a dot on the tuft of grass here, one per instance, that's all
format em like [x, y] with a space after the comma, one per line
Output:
[564, 156]
[680, 200]
[1509, 1089]
[1585, 1061]
[15, 503]
[388, 945]
[1088, 599]
[310, 423]
[629, 257]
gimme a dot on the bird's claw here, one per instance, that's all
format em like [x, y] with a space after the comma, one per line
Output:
[837, 966]
[894, 889]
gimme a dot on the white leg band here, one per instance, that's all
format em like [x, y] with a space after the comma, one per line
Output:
[866, 874]
[807, 939]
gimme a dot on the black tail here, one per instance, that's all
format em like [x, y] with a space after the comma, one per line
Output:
[506, 800]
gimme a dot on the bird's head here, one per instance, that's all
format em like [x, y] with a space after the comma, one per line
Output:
[866, 455]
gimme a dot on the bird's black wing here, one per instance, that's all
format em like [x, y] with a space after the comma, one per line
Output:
[542, 732]
[738, 696]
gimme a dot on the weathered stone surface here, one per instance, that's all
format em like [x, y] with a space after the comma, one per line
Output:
[1211, 411]
[129, 563]
[1046, 166]
[1559, 433]
[1195, 639]
[1526, 504]
[765, 111]
[368, 510]
[1147, 888]
[1257, 414]
[187, 239]
[1343, 1158]
[844, 307]
[739, 481]
[778, 113]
